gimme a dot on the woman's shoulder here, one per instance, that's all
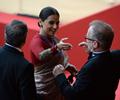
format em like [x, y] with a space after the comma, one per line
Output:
[36, 39]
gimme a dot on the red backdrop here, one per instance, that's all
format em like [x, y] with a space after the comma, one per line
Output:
[74, 31]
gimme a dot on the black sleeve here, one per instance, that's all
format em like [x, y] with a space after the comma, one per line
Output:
[80, 87]
[27, 84]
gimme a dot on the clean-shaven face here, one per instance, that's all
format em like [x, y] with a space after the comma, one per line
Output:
[51, 25]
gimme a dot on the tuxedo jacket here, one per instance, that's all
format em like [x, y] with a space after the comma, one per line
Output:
[97, 80]
[16, 76]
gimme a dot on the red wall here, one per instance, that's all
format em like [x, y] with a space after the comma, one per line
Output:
[74, 31]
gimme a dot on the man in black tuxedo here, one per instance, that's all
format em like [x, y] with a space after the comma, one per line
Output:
[16, 73]
[99, 77]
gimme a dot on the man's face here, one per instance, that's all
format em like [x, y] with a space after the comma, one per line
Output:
[89, 40]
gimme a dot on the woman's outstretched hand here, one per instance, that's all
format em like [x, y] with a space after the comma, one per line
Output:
[63, 45]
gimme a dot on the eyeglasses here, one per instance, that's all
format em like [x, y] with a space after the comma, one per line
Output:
[86, 38]
[92, 40]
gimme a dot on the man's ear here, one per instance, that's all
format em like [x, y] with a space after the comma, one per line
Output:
[95, 44]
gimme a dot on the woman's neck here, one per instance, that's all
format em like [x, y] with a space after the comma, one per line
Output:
[42, 33]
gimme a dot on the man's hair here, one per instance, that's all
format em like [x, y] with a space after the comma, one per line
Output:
[103, 33]
[15, 33]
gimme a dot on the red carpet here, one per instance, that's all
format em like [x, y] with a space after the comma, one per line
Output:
[74, 31]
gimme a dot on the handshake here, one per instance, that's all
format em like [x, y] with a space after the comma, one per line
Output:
[59, 69]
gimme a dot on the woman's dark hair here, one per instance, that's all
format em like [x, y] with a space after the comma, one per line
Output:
[15, 33]
[46, 12]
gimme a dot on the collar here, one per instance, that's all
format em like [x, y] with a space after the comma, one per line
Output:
[97, 53]
[13, 47]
